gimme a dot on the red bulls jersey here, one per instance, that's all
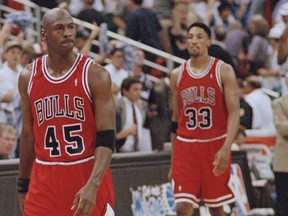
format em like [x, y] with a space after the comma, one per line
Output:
[63, 116]
[203, 113]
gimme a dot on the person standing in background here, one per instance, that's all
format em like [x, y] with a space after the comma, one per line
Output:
[280, 118]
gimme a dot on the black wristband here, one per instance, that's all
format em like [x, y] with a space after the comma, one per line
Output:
[23, 185]
[174, 127]
[106, 138]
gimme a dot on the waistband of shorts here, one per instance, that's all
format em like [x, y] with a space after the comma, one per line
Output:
[183, 139]
[64, 163]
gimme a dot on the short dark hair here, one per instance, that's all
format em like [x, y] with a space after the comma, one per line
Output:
[128, 82]
[220, 33]
[138, 2]
[201, 25]
[115, 50]
[224, 6]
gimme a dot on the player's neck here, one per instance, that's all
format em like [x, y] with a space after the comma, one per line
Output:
[59, 65]
[199, 63]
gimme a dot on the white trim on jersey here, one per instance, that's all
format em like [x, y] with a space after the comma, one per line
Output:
[219, 198]
[30, 84]
[195, 205]
[221, 203]
[201, 140]
[64, 163]
[63, 78]
[85, 78]
[203, 73]
[218, 74]
[191, 196]
[109, 211]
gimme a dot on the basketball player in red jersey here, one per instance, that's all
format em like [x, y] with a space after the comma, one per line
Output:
[204, 122]
[66, 98]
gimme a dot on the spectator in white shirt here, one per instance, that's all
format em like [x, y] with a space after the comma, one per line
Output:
[9, 74]
[115, 68]
[261, 106]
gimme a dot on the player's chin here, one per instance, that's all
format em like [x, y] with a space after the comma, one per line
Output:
[67, 48]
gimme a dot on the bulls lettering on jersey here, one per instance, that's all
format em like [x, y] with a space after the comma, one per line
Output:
[201, 102]
[49, 107]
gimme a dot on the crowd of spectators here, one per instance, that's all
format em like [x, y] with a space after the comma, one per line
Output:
[247, 34]
[250, 35]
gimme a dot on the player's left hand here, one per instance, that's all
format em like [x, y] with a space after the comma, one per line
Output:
[221, 161]
[84, 201]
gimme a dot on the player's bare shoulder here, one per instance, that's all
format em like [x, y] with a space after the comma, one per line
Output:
[227, 72]
[24, 77]
[98, 78]
[174, 77]
[97, 72]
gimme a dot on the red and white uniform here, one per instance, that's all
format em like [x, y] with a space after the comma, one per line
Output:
[64, 129]
[202, 129]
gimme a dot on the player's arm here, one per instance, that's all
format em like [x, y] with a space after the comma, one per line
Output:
[230, 89]
[27, 153]
[283, 46]
[104, 109]
[279, 118]
[175, 108]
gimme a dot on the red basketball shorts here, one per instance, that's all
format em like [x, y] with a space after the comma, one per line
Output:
[192, 174]
[53, 188]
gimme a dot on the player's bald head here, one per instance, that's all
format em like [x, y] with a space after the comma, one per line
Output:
[53, 15]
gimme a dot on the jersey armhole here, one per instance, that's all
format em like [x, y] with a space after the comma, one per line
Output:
[218, 74]
[85, 83]
[180, 73]
[30, 84]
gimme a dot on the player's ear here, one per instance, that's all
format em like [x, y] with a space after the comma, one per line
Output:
[43, 33]
[208, 43]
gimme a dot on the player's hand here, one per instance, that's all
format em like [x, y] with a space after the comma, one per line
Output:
[84, 201]
[21, 199]
[221, 161]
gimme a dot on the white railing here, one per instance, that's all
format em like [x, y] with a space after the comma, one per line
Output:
[36, 12]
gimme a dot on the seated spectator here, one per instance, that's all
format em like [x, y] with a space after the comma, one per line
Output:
[130, 137]
[89, 14]
[120, 15]
[270, 76]
[261, 106]
[234, 40]
[177, 32]
[246, 112]
[218, 49]
[223, 15]
[80, 39]
[7, 140]
[76, 6]
[115, 68]
[148, 95]
[28, 54]
[9, 74]
[143, 25]
[202, 9]
[257, 54]
[84, 40]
